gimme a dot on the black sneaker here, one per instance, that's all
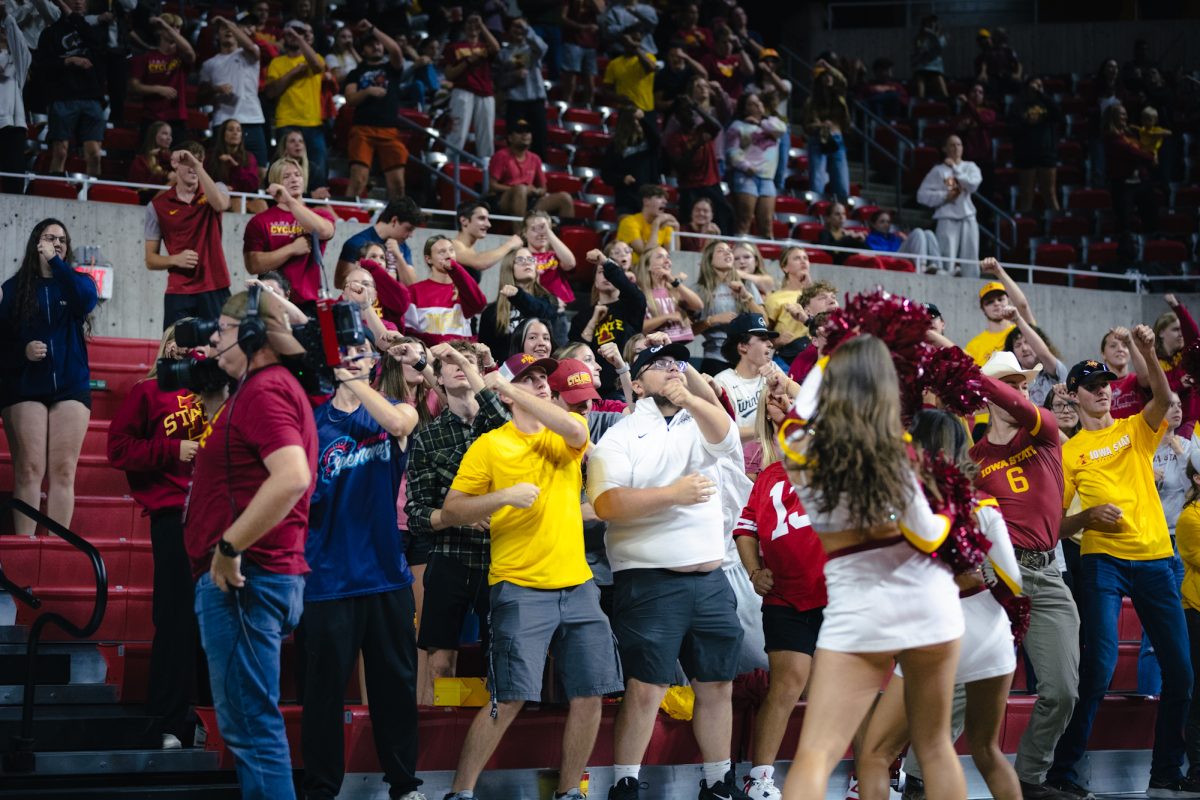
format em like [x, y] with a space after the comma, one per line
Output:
[626, 789]
[1176, 787]
[726, 789]
[1071, 788]
[1042, 791]
[914, 788]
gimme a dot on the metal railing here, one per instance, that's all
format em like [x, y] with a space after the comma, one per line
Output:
[454, 155]
[20, 756]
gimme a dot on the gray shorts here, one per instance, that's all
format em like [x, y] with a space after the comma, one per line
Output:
[580, 60]
[661, 616]
[528, 623]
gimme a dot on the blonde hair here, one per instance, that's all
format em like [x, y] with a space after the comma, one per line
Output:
[275, 173]
[168, 339]
[765, 430]
[281, 153]
[706, 285]
[646, 283]
[503, 303]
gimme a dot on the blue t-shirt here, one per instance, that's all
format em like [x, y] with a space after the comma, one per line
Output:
[354, 547]
[366, 236]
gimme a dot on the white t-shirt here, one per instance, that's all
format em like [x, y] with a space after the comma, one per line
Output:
[743, 393]
[240, 70]
[645, 451]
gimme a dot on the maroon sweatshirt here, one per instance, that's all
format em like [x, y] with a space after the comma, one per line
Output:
[144, 441]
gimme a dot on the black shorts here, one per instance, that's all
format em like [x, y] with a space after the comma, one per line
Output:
[451, 589]
[417, 549]
[785, 628]
[202, 305]
[51, 400]
[660, 616]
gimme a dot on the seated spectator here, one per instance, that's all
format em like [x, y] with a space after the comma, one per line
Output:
[693, 146]
[374, 90]
[669, 303]
[997, 66]
[724, 295]
[728, 64]
[522, 297]
[14, 70]
[631, 158]
[928, 66]
[533, 337]
[160, 77]
[827, 121]
[618, 310]
[1033, 124]
[836, 234]
[701, 222]
[753, 157]
[280, 238]
[672, 79]
[1128, 165]
[230, 81]
[444, 303]
[884, 239]
[520, 77]
[629, 17]
[782, 307]
[554, 259]
[472, 100]
[517, 180]
[581, 42]
[391, 230]
[947, 189]
[292, 145]
[883, 95]
[153, 163]
[294, 81]
[974, 125]
[343, 58]
[229, 162]
[474, 222]
[652, 227]
[69, 59]
[631, 74]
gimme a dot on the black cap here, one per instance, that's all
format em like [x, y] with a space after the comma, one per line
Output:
[244, 18]
[750, 322]
[933, 310]
[520, 126]
[675, 350]
[1087, 372]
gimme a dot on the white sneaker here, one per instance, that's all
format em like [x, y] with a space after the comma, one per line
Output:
[762, 789]
[852, 788]
[171, 742]
[413, 795]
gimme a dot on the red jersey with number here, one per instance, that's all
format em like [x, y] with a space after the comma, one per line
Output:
[790, 548]
[1025, 475]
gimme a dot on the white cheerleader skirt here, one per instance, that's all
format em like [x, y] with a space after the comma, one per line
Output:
[987, 649]
[885, 597]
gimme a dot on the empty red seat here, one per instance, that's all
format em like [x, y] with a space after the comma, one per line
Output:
[785, 204]
[558, 157]
[579, 239]
[808, 231]
[593, 140]
[1070, 151]
[563, 182]
[819, 257]
[598, 186]
[557, 135]
[121, 139]
[469, 175]
[770, 252]
[1101, 252]
[781, 229]
[49, 188]
[863, 261]
[1089, 199]
[583, 116]
[1186, 197]
[1164, 250]
[1178, 223]
[928, 109]
[1068, 225]
[1052, 254]
[583, 209]
[114, 194]
[353, 213]
[819, 208]
[863, 213]
[197, 121]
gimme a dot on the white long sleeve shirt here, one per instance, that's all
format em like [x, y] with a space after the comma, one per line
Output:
[936, 195]
[14, 68]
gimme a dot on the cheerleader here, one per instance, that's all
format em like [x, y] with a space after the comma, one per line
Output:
[988, 657]
[887, 600]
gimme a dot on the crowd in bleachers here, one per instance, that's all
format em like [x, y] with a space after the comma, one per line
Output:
[468, 438]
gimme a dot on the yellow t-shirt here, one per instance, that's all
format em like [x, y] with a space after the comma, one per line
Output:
[630, 78]
[635, 227]
[541, 546]
[1187, 538]
[780, 320]
[985, 343]
[1115, 465]
[300, 103]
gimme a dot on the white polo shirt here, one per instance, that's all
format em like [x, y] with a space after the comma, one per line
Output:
[644, 451]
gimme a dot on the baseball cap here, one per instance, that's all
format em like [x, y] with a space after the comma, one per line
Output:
[675, 350]
[521, 126]
[572, 381]
[296, 24]
[244, 18]
[768, 52]
[984, 33]
[517, 365]
[1088, 371]
[750, 323]
[993, 286]
[933, 310]
[1003, 364]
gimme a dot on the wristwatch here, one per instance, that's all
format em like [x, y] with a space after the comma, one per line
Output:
[676, 282]
[227, 549]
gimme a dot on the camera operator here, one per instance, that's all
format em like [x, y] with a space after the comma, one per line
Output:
[245, 526]
[154, 438]
[359, 594]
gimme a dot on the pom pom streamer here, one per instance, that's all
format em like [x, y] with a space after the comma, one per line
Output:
[966, 547]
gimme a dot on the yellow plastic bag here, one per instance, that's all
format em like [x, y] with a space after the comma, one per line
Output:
[679, 702]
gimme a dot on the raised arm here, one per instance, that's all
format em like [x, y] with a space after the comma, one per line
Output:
[567, 425]
[990, 266]
[1156, 408]
[1046, 358]
[470, 296]
[485, 259]
[398, 419]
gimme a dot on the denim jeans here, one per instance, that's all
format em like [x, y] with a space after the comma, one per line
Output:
[242, 632]
[1149, 676]
[1104, 581]
[829, 170]
[317, 151]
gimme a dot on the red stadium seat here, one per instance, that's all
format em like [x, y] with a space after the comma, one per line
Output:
[351, 213]
[593, 140]
[1164, 251]
[1070, 151]
[558, 157]
[114, 194]
[819, 208]
[121, 139]
[819, 257]
[1185, 197]
[579, 240]
[1089, 199]
[1100, 252]
[863, 261]
[781, 229]
[1052, 254]
[862, 213]
[563, 182]
[1178, 223]
[598, 186]
[51, 188]
[809, 232]
[583, 210]
[1068, 225]
[559, 136]
[583, 116]
[928, 109]
[418, 117]
[785, 204]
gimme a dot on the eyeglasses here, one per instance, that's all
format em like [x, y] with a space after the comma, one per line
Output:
[1062, 408]
[665, 365]
[525, 261]
[361, 284]
[224, 326]
[49, 237]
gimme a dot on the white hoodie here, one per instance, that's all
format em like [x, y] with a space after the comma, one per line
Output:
[933, 191]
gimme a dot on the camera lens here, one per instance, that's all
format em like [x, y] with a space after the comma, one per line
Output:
[194, 332]
[347, 323]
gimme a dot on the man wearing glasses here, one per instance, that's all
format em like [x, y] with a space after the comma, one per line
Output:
[654, 479]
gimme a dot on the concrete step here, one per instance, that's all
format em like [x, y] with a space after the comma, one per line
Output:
[62, 694]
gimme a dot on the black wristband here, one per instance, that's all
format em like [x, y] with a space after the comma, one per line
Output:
[421, 364]
[227, 549]
[676, 283]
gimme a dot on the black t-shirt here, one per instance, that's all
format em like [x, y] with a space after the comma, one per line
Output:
[377, 112]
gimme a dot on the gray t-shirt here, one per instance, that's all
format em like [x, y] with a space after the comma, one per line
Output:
[1044, 383]
[723, 301]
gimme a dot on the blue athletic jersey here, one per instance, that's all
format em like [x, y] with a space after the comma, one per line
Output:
[354, 547]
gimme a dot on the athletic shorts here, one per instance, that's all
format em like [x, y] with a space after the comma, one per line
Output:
[367, 141]
[81, 120]
[785, 628]
[451, 590]
[580, 60]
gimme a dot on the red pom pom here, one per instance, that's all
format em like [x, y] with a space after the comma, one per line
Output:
[1018, 609]
[966, 546]
[955, 378]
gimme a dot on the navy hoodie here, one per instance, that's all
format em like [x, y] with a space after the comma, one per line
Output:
[63, 304]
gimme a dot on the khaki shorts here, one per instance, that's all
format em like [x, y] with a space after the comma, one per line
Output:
[366, 142]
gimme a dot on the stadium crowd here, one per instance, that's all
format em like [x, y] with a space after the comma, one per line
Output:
[563, 467]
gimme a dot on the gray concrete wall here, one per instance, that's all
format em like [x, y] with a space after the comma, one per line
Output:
[1075, 319]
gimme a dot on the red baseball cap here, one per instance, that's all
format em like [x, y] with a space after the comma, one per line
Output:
[572, 381]
[517, 365]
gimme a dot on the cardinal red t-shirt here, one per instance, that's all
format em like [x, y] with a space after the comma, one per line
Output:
[476, 78]
[157, 69]
[268, 412]
[276, 228]
[790, 548]
[1127, 397]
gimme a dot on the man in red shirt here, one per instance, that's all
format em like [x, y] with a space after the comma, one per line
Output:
[468, 64]
[517, 181]
[1020, 464]
[245, 525]
[186, 221]
[280, 237]
[160, 76]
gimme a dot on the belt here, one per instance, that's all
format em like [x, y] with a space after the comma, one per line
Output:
[1034, 559]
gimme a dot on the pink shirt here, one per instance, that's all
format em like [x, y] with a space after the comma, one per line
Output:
[505, 168]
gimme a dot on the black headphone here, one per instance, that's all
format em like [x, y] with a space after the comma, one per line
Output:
[252, 330]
